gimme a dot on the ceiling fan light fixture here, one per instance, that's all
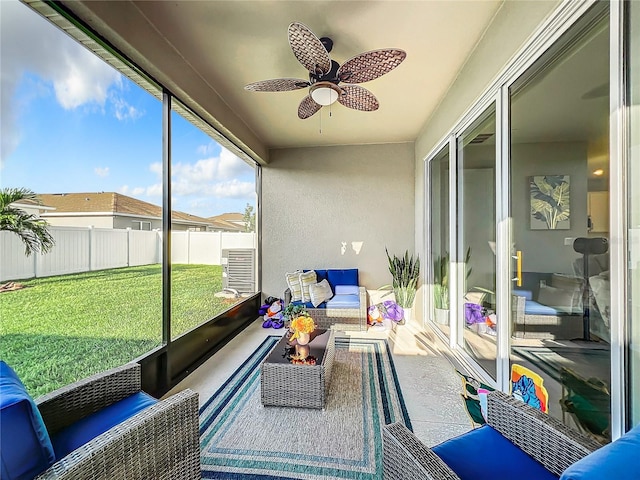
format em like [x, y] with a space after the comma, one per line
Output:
[325, 93]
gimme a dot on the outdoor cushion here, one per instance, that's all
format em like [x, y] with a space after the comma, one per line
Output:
[535, 308]
[527, 294]
[347, 290]
[88, 428]
[342, 277]
[25, 447]
[617, 460]
[344, 301]
[484, 454]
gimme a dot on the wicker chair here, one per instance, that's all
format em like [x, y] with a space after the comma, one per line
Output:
[160, 442]
[545, 439]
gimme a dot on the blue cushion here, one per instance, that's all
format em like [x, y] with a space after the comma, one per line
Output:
[617, 460]
[527, 294]
[535, 308]
[347, 290]
[344, 301]
[25, 447]
[484, 454]
[342, 277]
[88, 428]
[321, 275]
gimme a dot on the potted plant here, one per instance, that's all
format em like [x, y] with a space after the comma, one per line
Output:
[441, 288]
[441, 285]
[405, 272]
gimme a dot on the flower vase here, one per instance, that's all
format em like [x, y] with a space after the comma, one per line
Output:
[302, 346]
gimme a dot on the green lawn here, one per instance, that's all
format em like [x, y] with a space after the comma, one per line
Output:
[60, 329]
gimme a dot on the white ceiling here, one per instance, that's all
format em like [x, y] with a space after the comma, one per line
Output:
[228, 44]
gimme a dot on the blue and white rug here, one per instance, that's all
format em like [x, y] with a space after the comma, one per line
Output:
[241, 439]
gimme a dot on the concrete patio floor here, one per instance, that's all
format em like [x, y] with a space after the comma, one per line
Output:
[430, 387]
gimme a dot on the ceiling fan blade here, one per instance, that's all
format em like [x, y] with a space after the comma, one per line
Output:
[307, 107]
[358, 98]
[277, 85]
[308, 49]
[370, 65]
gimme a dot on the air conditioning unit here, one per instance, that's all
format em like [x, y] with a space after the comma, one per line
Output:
[239, 269]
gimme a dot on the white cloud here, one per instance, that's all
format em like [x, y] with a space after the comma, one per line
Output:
[101, 171]
[125, 111]
[75, 75]
[152, 190]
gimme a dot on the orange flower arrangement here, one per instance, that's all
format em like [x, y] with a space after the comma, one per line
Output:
[302, 324]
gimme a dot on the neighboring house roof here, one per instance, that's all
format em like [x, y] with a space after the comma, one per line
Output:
[228, 221]
[113, 203]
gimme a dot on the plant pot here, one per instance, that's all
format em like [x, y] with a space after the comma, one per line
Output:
[441, 316]
[408, 315]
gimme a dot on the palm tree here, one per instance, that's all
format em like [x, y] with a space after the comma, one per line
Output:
[32, 230]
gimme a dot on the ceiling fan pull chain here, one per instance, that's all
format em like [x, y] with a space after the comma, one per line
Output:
[321, 121]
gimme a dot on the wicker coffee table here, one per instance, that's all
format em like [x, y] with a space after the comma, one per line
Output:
[284, 384]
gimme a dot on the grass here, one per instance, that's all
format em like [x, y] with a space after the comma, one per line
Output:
[60, 329]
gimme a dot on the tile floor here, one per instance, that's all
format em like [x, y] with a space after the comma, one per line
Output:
[430, 387]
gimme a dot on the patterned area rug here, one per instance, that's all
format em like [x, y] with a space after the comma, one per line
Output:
[241, 439]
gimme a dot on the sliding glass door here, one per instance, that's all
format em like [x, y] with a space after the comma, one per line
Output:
[559, 175]
[475, 260]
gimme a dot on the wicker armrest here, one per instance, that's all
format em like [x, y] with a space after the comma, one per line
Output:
[363, 302]
[546, 439]
[162, 441]
[406, 457]
[69, 404]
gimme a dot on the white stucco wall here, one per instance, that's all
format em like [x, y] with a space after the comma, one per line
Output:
[513, 25]
[336, 207]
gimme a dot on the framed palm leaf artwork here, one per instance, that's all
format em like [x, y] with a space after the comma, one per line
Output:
[550, 202]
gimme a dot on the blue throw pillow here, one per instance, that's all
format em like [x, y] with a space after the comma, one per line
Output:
[618, 460]
[25, 447]
[342, 277]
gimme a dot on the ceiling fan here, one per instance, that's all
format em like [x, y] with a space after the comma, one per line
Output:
[328, 81]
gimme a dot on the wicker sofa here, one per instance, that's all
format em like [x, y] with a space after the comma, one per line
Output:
[518, 427]
[337, 315]
[159, 441]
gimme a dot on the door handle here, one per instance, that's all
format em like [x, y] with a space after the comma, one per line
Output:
[518, 258]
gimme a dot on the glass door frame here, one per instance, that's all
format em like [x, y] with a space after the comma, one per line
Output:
[548, 33]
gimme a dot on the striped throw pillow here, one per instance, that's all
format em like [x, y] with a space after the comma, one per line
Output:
[293, 282]
[306, 279]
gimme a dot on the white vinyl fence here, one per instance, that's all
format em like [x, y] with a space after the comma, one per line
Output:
[80, 249]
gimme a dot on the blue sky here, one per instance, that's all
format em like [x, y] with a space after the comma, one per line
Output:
[72, 123]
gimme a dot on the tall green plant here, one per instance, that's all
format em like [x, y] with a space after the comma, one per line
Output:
[441, 278]
[405, 272]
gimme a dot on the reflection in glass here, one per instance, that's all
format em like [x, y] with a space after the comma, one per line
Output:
[439, 205]
[476, 238]
[213, 224]
[560, 155]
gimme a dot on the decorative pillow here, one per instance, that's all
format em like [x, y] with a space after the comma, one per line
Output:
[306, 279]
[293, 282]
[320, 292]
[555, 297]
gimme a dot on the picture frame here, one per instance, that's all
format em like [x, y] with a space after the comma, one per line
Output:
[550, 201]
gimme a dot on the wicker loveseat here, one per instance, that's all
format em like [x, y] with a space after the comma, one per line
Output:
[342, 312]
[519, 442]
[86, 430]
